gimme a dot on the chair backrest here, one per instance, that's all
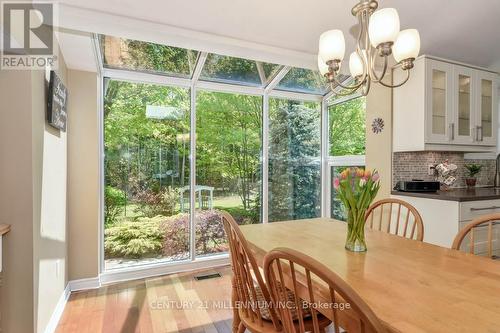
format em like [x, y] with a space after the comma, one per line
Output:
[483, 236]
[247, 275]
[303, 275]
[396, 217]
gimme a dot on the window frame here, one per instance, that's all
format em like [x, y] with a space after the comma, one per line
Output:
[266, 91]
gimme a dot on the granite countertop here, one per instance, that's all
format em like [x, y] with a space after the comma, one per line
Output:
[457, 194]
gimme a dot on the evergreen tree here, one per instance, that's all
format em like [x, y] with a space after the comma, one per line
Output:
[294, 155]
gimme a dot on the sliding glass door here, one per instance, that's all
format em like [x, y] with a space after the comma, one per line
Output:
[228, 164]
[146, 143]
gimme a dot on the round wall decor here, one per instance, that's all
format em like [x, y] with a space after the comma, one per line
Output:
[377, 125]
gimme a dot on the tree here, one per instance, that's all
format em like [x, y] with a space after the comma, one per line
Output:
[294, 160]
[142, 152]
[347, 128]
[229, 141]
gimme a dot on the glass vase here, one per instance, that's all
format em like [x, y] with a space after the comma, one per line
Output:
[355, 240]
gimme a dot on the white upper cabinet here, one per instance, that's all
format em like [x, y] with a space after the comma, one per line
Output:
[487, 102]
[464, 122]
[439, 102]
[445, 106]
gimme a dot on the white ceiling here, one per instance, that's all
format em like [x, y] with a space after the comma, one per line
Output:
[77, 50]
[461, 30]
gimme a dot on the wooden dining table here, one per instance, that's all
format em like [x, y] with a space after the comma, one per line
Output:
[411, 286]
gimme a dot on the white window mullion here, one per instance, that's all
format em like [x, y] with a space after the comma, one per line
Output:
[265, 158]
[192, 175]
[325, 183]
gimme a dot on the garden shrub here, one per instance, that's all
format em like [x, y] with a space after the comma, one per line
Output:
[114, 201]
[142, 238]
[243, 216]
[153, 203]
[176, 235]
[210, 236]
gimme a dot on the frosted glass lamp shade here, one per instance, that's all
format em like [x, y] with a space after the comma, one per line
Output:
[384, 26]
[322, 66]
[332, 45]
[356, 64]
[407, 45]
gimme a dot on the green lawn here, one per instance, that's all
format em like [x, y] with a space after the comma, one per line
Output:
[131, 212]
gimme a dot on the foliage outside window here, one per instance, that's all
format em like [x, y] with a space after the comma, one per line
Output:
[294, 160]
[146, 129]
[147, 57]
[347, 136]
[147, 148]
[228, 150]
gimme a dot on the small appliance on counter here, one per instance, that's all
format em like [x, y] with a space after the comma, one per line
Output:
[416, 185]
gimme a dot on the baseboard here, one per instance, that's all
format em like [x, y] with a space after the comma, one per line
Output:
[84, 284]
[58, 311]
[153, 270]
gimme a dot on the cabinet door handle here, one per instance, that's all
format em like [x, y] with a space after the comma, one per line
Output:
[452, 131]
[484, 208]
[481, 129]
[477, 133]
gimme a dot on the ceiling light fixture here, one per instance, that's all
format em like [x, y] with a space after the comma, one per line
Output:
[378, 35]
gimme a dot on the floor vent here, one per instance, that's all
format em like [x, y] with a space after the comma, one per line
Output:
[207, 276]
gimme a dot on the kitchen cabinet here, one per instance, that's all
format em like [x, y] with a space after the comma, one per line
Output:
[443, 219]
[445, 106]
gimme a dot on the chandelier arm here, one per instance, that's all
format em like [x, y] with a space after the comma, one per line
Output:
[375, 77]
[399, 84]
[364, 57]
[353, 87]
[366, 88]
[349, 92]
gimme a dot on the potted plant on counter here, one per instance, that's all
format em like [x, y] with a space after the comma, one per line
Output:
[472, 171]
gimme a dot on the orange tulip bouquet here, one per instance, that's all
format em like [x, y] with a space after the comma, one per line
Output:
[356, 189]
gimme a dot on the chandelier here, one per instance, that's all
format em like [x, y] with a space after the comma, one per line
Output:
[378, 36]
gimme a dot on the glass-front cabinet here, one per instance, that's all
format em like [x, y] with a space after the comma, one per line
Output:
[486, 102]
[445, 106]
[464, 123]
[462, 105]
[440, 111]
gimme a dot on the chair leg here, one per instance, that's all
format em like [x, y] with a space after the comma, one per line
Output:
[236, 314]
[242, 328]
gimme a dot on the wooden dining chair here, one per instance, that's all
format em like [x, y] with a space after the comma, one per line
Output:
[396, 217]
[252, 302]
[480, 237]
[304, 275]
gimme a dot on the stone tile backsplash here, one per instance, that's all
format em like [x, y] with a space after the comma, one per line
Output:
[414, 165]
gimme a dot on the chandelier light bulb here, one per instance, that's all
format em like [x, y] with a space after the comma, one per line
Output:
[332, 45]
[322, 66]
[384, 26]
[407, 45]
[356, 64]
[378, 38]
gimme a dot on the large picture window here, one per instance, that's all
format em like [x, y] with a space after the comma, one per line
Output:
[189, 134]
[146, 142]
[228, 154]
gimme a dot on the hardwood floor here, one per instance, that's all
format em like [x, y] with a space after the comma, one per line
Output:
[173, 303]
